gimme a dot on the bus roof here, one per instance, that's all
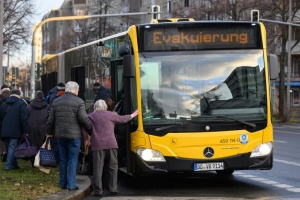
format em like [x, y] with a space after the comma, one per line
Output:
[48, 57]
[155, 21]
[164, 23]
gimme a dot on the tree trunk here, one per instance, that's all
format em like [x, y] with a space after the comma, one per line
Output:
[282, 91]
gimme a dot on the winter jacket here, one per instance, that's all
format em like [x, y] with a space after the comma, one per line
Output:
[66, 117]
[56, 95]
[38, 112]
[14, 122]
[51, 95]
[103, 93]
[103, 136]
[3, 96]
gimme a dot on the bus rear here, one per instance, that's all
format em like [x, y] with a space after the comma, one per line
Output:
[204, 92]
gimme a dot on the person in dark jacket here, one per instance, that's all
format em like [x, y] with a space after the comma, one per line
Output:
[38, 112]
[52, 95]
[13, 113]
[5, 92]
[66, 117]
[104, 92]
[104, 145]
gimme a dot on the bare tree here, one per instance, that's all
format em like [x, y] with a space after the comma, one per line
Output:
[89, 30]
[278, 10]
[102, 25]
[195, 10]
[216, 9]
[16, 20]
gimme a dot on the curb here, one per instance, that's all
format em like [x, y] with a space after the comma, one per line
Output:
[84, 184]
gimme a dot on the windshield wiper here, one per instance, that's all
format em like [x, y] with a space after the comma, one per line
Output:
[226, 117]
[237, 120]
[167, 127]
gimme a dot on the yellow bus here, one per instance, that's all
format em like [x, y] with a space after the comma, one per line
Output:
[203, 89]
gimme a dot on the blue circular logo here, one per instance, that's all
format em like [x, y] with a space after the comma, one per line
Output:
[244, 138]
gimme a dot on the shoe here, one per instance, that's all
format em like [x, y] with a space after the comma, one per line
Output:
[97, 193]
[17, 167]
[113, 193]
[73, 189]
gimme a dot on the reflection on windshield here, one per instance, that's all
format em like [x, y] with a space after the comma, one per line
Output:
[185, 86]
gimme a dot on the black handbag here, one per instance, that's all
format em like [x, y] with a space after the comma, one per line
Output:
[47, 156]
[85, 165]
[24, 150]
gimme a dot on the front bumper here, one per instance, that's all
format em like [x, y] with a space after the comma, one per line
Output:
[181, 165]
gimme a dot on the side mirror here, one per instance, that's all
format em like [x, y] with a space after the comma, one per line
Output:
[273, 66]
[128, 66]
[124, 50]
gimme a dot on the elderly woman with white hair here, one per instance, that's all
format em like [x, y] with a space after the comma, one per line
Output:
[104, 145]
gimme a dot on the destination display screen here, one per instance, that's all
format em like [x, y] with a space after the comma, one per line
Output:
[186, 38]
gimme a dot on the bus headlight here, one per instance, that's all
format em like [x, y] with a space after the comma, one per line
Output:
[150, 155]
[262, 150]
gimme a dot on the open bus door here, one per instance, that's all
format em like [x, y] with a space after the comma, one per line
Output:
[123, 93]
[121, 96]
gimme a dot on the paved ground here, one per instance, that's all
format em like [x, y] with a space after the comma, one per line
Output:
[84, 184]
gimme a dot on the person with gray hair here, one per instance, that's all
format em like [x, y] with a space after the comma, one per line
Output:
[104, 145]
[72, 87]
[67, 116]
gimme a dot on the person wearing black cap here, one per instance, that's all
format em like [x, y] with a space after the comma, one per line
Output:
[13, 114]
[96, 87]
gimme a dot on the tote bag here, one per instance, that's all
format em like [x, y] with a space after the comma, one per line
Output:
[25, 150]
[47, 157]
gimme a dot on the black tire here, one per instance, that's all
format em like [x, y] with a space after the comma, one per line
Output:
[226, 172]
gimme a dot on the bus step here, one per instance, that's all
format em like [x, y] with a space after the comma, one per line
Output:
[124, 170]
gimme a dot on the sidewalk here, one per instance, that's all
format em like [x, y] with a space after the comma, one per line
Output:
[84, 184]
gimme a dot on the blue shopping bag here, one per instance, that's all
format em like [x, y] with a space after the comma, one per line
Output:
[47, 157]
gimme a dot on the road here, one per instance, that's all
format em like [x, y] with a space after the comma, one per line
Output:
[282, 182]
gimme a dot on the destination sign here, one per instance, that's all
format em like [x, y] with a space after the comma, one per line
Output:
[200, 38]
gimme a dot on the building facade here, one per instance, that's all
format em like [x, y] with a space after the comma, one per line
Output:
[61, 35]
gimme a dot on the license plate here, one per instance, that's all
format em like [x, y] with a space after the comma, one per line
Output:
[208, 166]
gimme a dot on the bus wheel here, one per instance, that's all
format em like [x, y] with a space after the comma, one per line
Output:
[225, 172]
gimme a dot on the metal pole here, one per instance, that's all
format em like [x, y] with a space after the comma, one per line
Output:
[1, 42]
[15, 87]
[279, 22]
[288, 85]
[32, 73]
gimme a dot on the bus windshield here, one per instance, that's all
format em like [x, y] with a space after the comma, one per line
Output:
[195, 84]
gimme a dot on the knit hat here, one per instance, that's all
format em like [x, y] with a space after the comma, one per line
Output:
[96, 86]
[39, 95]
[60, 86]
[16, 91]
